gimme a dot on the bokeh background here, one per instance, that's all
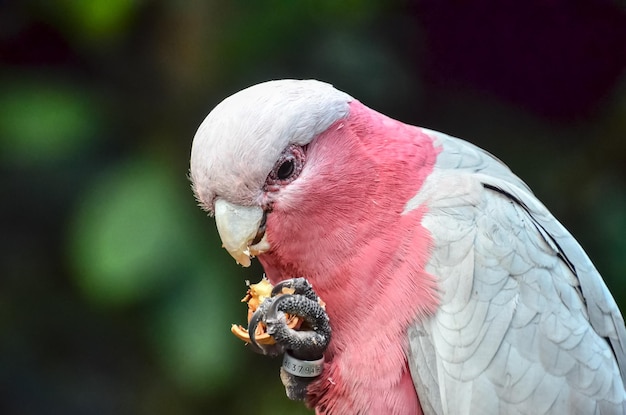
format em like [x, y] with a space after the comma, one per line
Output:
[115, 297]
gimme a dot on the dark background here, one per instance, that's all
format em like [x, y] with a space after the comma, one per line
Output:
[115, 297]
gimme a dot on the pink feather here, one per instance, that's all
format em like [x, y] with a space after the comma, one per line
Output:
[347, 233]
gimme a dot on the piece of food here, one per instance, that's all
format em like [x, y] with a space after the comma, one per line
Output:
[256, 294]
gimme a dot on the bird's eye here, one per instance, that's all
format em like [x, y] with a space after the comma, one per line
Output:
[287, 168]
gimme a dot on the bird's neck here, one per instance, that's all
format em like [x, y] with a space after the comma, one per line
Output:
[371, 299]
[348, 232]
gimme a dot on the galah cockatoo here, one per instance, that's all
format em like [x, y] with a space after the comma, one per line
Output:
[449, 288]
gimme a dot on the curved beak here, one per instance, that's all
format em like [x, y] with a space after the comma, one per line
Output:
[242, 230]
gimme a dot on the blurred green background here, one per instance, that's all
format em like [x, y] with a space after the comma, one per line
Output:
[115, 297]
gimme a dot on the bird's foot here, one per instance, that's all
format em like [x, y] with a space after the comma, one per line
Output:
[303, 348]
[295, 297]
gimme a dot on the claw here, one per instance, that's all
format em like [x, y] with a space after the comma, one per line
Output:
[256, 296]
[295, 286]
[267, 345]
[252, 329]
[310, 342]
[288, 316]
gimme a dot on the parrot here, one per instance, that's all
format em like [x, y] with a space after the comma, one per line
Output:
[448, 287]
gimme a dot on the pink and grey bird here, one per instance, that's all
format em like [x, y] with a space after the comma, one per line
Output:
[449, 288]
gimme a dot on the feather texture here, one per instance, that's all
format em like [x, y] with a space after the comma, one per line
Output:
[238, 143]
[450, 288]
[524, 316]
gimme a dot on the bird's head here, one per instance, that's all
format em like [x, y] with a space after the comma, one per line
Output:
[298, 172]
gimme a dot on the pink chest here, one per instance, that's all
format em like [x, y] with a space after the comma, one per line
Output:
[366, 377]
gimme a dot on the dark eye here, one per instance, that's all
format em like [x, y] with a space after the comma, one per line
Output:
[287, 167]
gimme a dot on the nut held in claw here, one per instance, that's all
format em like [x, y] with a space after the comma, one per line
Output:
[257, 293]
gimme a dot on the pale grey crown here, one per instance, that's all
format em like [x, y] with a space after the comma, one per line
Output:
[238, 143]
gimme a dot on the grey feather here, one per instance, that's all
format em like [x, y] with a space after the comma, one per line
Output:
[524, 314]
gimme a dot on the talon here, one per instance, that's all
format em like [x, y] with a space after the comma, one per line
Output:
[284, 287]
[261, 340]
[289, 316]
[256, 296]
[309, 343]
[253, 327]
[299, 286]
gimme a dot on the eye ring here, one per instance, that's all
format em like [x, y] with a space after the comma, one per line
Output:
[287, 168]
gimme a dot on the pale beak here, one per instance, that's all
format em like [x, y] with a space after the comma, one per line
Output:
[239, 227]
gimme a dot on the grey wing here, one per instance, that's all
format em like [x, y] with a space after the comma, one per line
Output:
[526, 324]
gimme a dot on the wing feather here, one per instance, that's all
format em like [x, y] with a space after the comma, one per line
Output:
[524, 314]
